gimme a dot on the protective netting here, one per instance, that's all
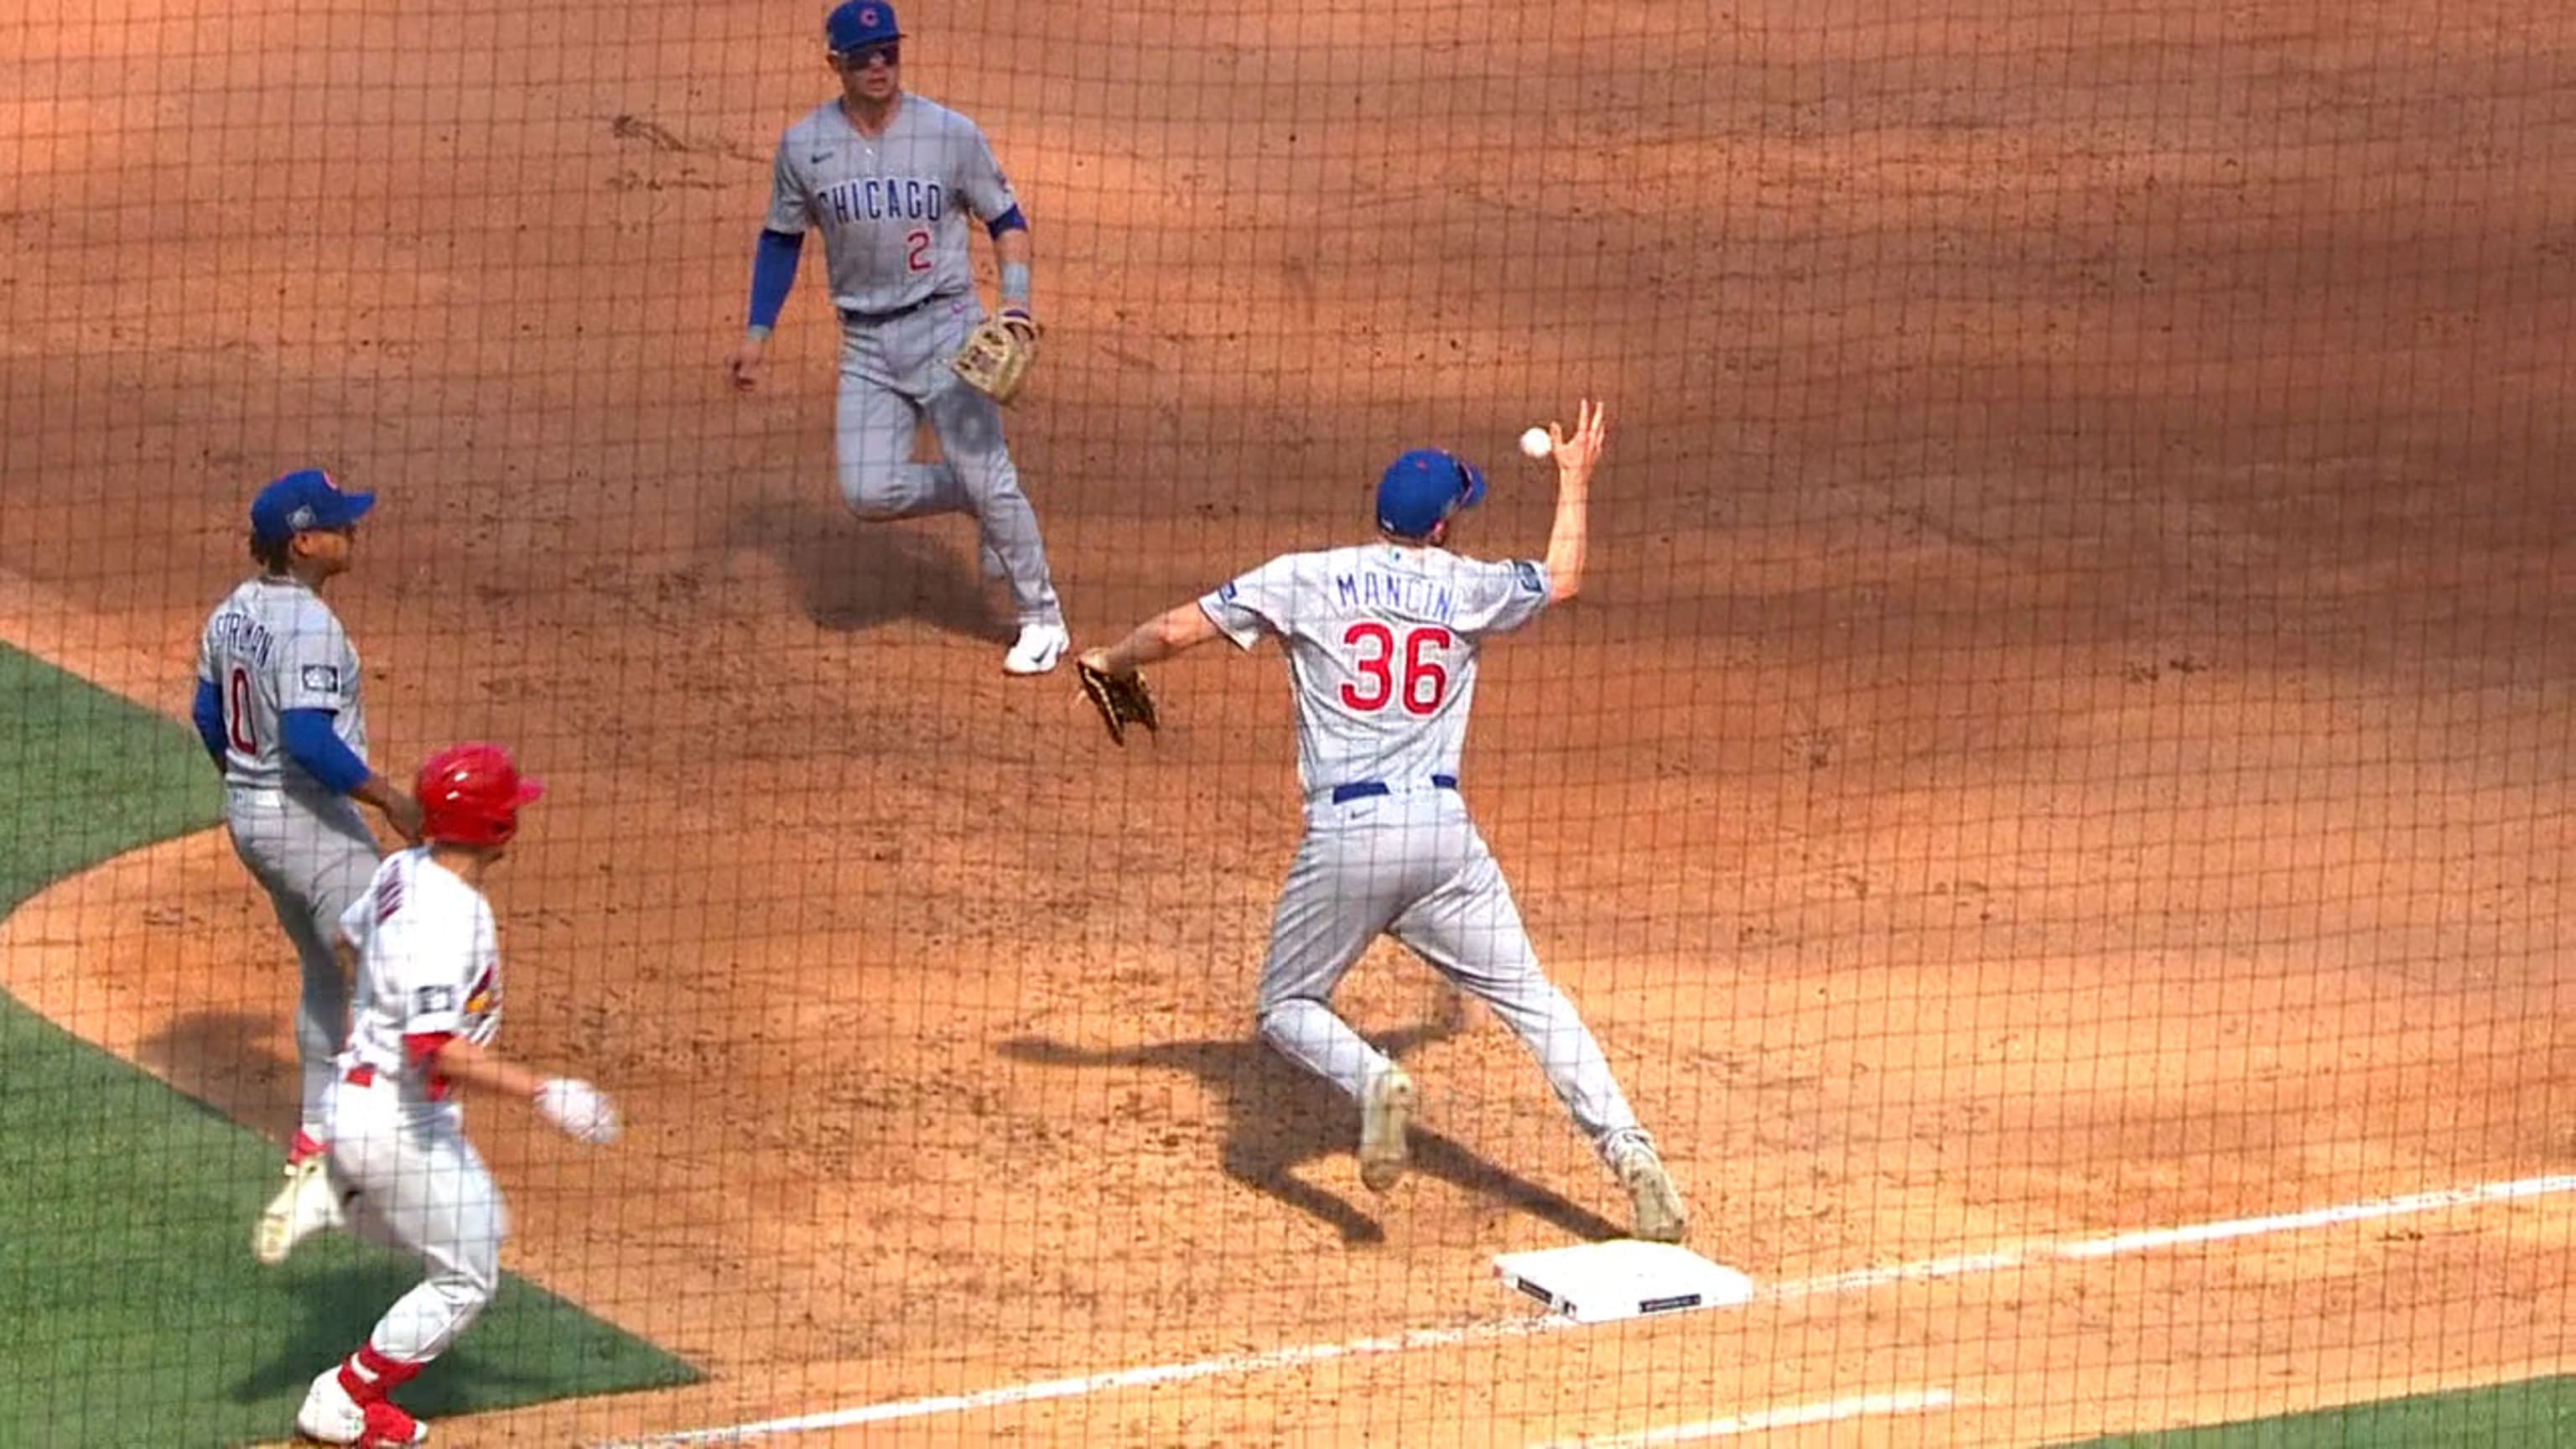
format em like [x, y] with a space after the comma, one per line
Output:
[2053, 800]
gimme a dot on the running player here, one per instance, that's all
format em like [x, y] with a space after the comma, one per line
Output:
[401, 1171]
[890, 180]
[1382, 640]
[278, 707]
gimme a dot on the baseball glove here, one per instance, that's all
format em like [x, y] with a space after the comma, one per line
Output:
[997, 355]
[1122, 699]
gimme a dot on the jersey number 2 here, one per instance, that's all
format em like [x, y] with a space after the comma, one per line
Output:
[237, 711]
[916, 249]
[1425, 682]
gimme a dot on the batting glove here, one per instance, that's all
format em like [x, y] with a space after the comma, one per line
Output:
[579, 1109]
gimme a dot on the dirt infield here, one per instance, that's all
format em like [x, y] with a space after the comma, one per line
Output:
[2071, 733]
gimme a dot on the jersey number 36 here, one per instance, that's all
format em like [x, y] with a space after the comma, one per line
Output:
[1374, 659]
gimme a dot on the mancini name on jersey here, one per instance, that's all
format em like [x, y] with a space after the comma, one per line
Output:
[1409, 595]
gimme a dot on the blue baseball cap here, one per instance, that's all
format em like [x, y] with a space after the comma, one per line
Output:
[1424, 486]
[301, 500]
[857, 23]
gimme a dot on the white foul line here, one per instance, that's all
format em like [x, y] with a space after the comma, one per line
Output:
[1787, 1417]
[1859, 1280]
[2121, 1244]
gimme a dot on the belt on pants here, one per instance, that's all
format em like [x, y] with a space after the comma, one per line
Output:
[1362, 789]
[856, 317]
[365, 1076]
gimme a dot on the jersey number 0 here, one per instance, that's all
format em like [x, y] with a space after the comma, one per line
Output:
[1425, 682]
[237, 711]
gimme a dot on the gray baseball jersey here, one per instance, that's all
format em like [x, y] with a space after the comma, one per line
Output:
[272, 645]
[1381, 644]
[892, 208]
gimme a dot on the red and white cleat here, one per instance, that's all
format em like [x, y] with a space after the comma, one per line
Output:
[388, 1426]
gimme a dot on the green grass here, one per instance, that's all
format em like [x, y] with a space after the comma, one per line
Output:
[2533, 1412]
[2524, 1415]
[133, 1312]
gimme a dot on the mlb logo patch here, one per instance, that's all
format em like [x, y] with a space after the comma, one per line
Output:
[1527, 573]
[1225, 594]
[323, 678]
[434, 1000]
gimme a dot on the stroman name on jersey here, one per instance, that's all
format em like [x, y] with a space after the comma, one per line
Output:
[881, 198]
[1411, 596]
[240, 636]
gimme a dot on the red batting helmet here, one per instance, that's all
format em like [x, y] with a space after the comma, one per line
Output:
[470, 795]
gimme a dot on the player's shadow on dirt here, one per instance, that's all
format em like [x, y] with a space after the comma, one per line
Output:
[854, 576]
[1279, 1117]
[222, 1059]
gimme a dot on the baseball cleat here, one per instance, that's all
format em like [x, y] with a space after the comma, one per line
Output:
[388, 1426]
[332, 1415]
[306, 1205]
[329, 1415]
[1040, 646]
[1660, 1215]
[1384, 1109]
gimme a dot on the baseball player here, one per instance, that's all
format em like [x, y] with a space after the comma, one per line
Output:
[890, 180]
[278, 708]
[1382, 641]
[401, 1172]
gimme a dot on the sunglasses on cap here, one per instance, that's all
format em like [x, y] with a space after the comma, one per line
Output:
[891, 53]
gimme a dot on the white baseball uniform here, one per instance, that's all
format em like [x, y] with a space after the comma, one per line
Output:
[429, 969]
[271, 646]
[1382, 644]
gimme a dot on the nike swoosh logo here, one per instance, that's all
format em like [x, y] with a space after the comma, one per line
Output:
[818, 160]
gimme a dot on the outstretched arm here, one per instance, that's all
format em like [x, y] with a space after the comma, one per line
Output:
[477, 1069]
[1568, 539]
[574, 1106]
[1174, 631]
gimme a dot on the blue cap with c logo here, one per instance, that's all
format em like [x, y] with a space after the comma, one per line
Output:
[858, 23]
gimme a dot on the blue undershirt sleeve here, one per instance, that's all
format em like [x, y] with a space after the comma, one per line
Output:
[208, 712]
[773, 275]
[1010, 220]
[312, 743]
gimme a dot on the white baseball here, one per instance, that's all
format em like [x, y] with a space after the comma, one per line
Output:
[1536, 443]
